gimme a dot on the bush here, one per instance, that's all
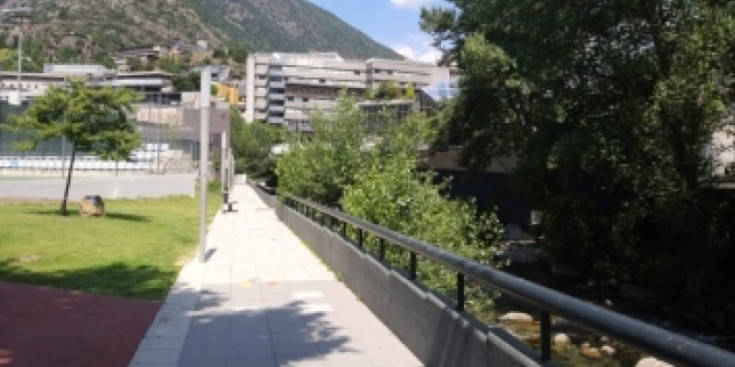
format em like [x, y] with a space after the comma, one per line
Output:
[251, 146]
[376, 178]
[321, 166]
[392, 192]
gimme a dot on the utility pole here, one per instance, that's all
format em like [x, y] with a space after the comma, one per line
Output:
[205, 91]
[158, 134]
[20, 13]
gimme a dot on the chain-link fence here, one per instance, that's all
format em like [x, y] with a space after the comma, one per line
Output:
[169, 130]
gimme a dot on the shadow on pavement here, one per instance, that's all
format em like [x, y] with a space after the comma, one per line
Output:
[240, 329]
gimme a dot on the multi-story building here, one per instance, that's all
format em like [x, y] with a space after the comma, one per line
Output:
[283, 88]
[21, 88]
[168, 120]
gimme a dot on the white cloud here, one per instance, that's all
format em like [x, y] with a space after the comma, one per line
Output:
[411, 4]
[425, 54]
[417, 47]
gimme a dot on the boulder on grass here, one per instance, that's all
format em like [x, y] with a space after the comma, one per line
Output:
[92, 205]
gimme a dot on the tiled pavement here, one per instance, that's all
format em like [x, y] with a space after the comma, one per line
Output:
[262, 299]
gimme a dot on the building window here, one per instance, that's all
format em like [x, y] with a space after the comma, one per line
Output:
[357, 72]
[306, 99]
[322, 81]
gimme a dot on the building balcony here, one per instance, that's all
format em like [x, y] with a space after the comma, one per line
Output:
[273, 108]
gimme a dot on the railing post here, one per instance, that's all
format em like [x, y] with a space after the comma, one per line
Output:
[360, 237]
[545, 336]
[344, 230]
[381, 253]
[460, 292]
[412, 265]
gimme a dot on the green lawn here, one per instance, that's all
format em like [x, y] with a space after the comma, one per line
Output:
[136, 250]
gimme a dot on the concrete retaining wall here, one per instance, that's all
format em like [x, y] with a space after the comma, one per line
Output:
[428, 326]
[267, 198]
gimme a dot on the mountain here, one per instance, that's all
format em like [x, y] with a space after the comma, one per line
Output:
[92, 30]
[287, 25]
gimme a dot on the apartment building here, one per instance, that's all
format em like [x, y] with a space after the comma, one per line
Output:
[21, 88]
[283, 88]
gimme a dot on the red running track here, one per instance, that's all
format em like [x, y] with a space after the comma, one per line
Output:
[46, 327]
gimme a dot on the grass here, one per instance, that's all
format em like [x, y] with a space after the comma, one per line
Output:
[136, 250]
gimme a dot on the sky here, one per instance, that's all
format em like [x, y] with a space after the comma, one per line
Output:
[394, 23]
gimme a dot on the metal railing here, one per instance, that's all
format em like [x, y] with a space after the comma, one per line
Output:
[666, 345]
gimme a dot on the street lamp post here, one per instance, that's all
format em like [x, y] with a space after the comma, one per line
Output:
[205, 88]
[20, 13]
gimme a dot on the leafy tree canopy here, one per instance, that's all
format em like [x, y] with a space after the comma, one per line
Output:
[94, 121]
[322, 165]
[374, 176]
[609, 107]
[251, 146]
[387, 90]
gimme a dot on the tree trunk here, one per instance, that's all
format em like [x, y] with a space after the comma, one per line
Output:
[68, 180]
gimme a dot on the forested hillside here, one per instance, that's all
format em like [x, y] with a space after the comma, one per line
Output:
[91, 31]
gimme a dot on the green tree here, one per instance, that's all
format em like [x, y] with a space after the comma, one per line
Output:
[410, 91]
[187, 82]
[135, 64]
[251, 146]
[392, 192]
[375, 177]
[170, 64]
[239, 52]
[91, 120]
[219, 53]
[321, 166]
[387, 90]
[609, 108]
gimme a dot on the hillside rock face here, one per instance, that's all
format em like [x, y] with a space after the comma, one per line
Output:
[98, 28]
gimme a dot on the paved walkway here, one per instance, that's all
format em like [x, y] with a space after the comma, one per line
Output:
[262, 299]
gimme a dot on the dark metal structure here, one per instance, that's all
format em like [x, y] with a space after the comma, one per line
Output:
[666, 345]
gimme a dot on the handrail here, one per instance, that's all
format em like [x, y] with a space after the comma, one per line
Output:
[669, 346]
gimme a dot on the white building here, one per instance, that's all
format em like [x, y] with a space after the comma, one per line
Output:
[283, 88]
[16, 89]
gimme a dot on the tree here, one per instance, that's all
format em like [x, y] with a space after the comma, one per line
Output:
[170, 64]
[239, 52]
[609, 108]
[91, 120]
[187, 82]
[387, 90]
[391, 191]
[375, 177]
[321, 166]
[135, 64]
[410, 91]
[251, 146]
[219, 53]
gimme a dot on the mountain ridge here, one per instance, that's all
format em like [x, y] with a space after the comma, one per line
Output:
[93, 30]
